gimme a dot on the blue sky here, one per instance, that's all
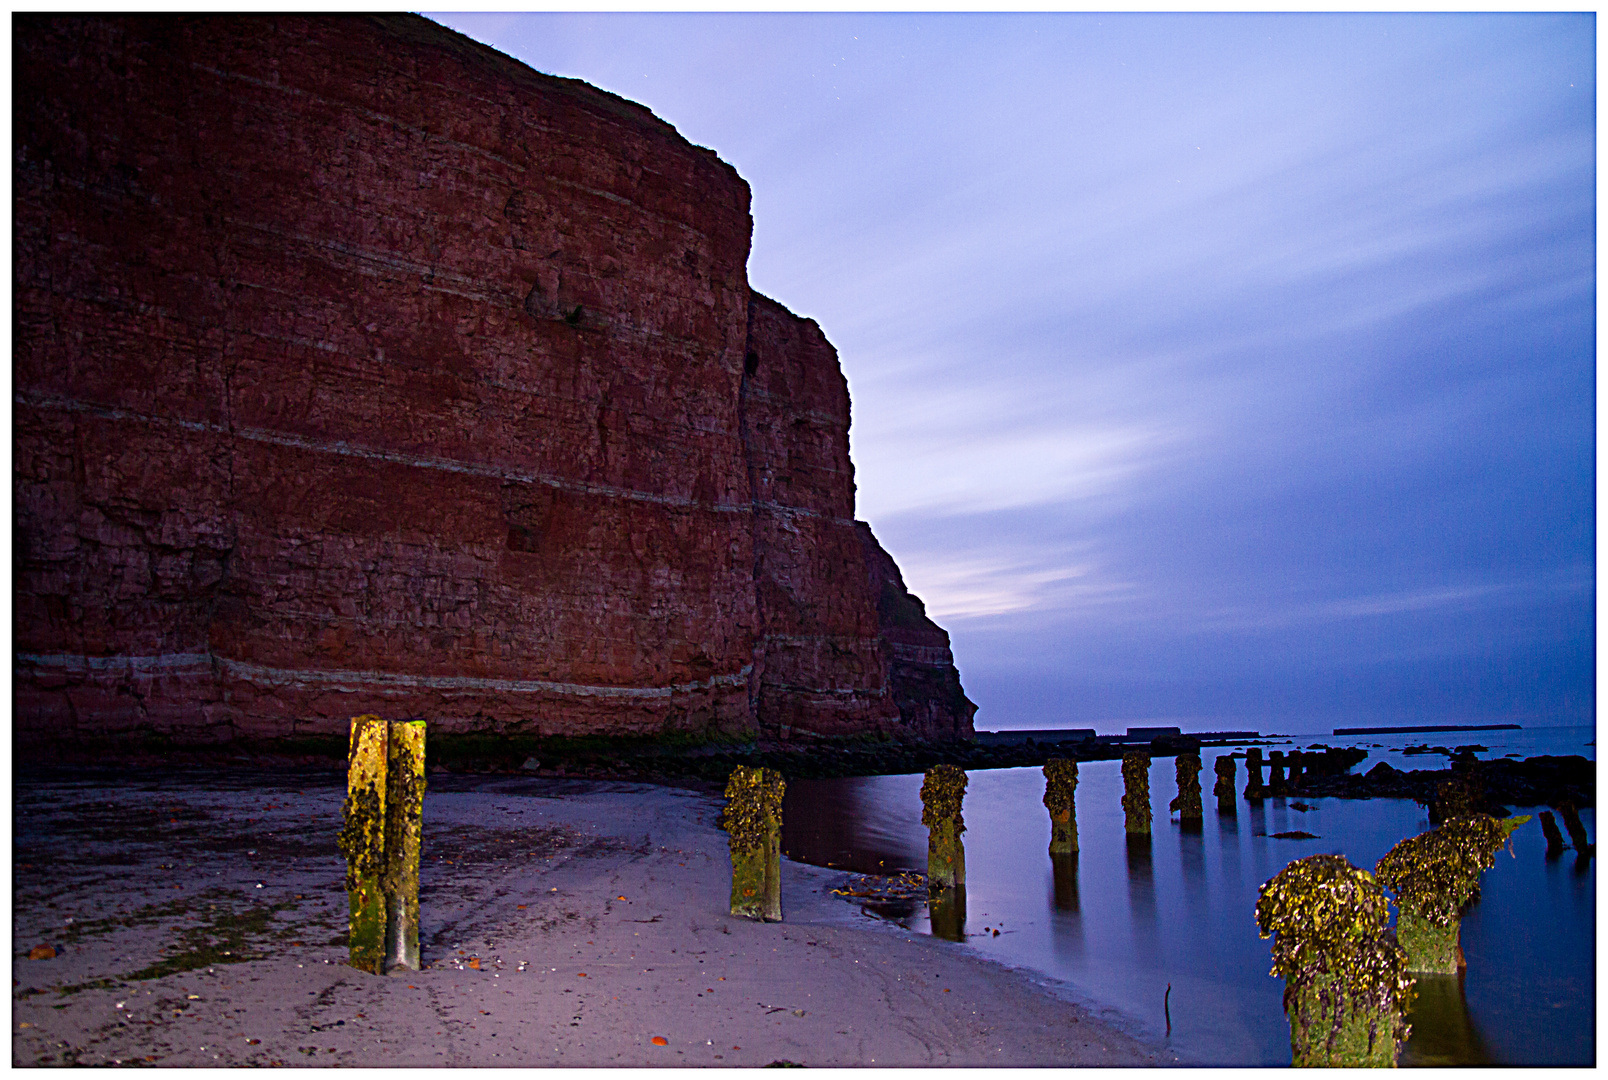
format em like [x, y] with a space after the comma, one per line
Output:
[1220, 370]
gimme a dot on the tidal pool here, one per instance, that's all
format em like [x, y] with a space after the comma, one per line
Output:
[1119, 923]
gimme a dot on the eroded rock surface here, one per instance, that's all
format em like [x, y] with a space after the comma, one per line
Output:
[360, 368]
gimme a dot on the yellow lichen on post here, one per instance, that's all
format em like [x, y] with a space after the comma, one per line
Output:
[404, 832]
[1433, 875]
[1188, 801]
[1060, 789]
[1346, 987]
[752, 819]
[1136, 791]
[942, 793]
[362, 841]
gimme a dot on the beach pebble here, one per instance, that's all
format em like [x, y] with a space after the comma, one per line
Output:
[41, 952]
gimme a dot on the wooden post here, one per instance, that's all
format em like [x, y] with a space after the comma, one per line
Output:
[753, 820]
[1060, 789]
[1577, 831]
[942, 792]
[404, 837]
[362, 841]
[1346, 982]
[1433, 876]
[1136, 791]
[1188, 801]
[1254, 791]
[1224, 788]
[1549, 829]
[1275, 778]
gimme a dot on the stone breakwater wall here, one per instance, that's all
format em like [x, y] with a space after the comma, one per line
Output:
[360, 368]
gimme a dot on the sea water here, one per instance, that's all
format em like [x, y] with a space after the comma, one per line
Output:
[1122, 923]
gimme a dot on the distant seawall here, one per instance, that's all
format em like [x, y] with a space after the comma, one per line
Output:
[1424, 728]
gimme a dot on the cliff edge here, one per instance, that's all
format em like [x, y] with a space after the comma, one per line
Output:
[360, 368]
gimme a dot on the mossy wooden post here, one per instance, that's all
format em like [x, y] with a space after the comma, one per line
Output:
[1549, 829]
[1224, 788]
[1275, 774]
[404, 833]
[942, 792]
[1060, 790]
[1254, 791]
[1188, 801]
[1136, 792]
[362, 841]
[1346, 987]
[753, 820]
[1433, 875]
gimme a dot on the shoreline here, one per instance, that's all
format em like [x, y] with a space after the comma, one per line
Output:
[565, 923]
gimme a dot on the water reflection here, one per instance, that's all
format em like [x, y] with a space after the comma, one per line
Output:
[1142, 898]
[947, 910]
[1119, 921]
[1443, 1032]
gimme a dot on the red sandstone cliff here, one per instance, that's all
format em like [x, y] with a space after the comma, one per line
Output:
[361, 368]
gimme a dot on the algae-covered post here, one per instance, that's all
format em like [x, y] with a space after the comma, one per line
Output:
[1346, 987]
[362, 841]
[1433, 875]
[404, 831]
[1253, 772]
[1549, 829]
[1060, 789]
[1188, 801]
[1136, 792]
[1224, 788]
[942, 792]
[753, 820]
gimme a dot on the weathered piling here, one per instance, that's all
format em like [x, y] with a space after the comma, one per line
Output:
[1346, 987]
[1060, 789]
[1275, 774]
[1254, 791]
[752, 819]
[1433, 875]
[1549, 829]
[1187, 802]
[1136, 792]
[1224, 788]
[1577, 831]
[362, 841]
[942, 792]
[404, 841]
[381, 831]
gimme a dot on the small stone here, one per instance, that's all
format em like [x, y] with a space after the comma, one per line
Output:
[41, 952]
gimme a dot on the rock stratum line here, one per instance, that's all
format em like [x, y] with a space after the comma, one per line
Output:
[353, 359]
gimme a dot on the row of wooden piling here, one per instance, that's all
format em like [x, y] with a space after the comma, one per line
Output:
[1349, 976]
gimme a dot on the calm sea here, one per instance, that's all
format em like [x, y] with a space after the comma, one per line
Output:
[1120, 924]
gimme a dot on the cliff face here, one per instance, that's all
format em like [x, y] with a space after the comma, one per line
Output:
[360, 368]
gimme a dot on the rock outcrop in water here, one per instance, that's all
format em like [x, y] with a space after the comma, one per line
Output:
[361, 368]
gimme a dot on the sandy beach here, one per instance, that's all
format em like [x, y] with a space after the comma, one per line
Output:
[197, 919]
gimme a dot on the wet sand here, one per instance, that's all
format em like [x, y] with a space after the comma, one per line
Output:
[198, 920]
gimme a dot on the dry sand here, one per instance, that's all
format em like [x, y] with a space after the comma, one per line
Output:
[197, 920]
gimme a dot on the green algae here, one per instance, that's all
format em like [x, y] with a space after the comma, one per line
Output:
[943, 791]
[1433, 875]
[1346, 986]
